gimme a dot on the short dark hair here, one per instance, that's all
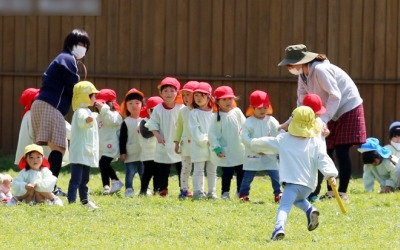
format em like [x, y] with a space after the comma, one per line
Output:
[166, 86]
[395, 131]
[134, 96]
[76, 36]
[369, 157]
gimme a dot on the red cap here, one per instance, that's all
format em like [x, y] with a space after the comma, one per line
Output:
[170, 81]
[259, 99]
[190, 86]
[27, 98]
[204, 87]
[224, 92]
[108, 95]
[150, 103]
[314, 101]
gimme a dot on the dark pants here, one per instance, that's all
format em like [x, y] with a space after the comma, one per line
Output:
[227, 174]
[148, 173]
[106, 171]
[162, 171]
[79, 181]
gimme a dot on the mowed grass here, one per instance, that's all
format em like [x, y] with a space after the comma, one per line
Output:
[371, 222]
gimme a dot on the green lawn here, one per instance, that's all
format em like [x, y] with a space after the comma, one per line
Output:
[371, 221]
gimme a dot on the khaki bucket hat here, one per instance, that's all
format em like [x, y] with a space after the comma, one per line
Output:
[297, 54]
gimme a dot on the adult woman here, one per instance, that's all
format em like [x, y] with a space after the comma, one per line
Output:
[344, 109]
[55, 97]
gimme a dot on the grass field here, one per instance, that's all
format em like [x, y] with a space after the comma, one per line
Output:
[371, 221]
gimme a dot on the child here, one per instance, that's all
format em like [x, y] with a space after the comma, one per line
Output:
[163, 123]
[394, 137]
[5, 187]
[84, 148]
[25, 136]
[301, 154]
[199, 122]
[109, 121]
[35, 182]
[257, 125]
[182, 137]
[379, 165]
[224, 138]
[148, 147]
[129, 139]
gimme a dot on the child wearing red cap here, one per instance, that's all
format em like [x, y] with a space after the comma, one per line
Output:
[109, 121]
[25, 136]
[199, 122]
[35, 182]
[148, 147]
[225, 140]
[183, 138]
[163, 123]
[130, 139]
[259, 124]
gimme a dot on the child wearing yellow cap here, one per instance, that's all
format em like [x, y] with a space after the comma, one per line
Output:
[84, 148]
[301, 155]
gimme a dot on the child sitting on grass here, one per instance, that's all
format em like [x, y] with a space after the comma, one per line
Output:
[380, 165]
[5, 187]
[301, 155]
[35, 182]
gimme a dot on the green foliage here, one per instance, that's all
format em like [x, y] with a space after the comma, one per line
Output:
[169, 223]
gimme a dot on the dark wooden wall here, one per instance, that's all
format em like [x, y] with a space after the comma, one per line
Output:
[135, 43]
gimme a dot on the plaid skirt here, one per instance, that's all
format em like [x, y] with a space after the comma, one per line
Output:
[48, 124]
[348, 129]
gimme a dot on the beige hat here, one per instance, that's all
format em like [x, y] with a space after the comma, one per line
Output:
[297, 54]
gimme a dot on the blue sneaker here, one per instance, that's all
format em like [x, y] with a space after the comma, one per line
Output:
[312, 218]
[313, 199]
[278, 234]
[183, 194]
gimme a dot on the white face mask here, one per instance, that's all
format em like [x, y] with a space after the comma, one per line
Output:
[296, 71]
[78, 51]
[396, 145]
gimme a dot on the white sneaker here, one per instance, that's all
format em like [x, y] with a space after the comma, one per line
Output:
[12, 202]
[106, 190]
[116, 185]
[91, 204]
[226, 196]
[56, 201]
[129, 192]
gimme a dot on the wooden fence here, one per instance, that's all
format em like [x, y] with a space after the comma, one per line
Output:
[135, 43]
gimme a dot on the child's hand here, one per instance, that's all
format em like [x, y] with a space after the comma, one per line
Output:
[177, 147]
[160, 139]
[325, 131]
[332, 181]
[89, 119]
[283, 126]
[30, 186]
[98, 105]
[221, 155]
[122, 157]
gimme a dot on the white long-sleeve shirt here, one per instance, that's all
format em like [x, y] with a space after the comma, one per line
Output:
[225, 134]
[338, 92]
[44, 179]
[199, 122]
[165, 122]
[256, 128]
[384, 173]
[299, 158]
[109, 123]
[84, 148]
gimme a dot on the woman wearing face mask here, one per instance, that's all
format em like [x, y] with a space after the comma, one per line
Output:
[344, 109]
[55, 97]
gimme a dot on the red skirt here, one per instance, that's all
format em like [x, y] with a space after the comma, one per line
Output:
[348, 129]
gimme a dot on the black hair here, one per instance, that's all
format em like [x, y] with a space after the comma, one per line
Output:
[369, 157]
[134, 96]
[76, 36]
[167, 85]
[395, 131]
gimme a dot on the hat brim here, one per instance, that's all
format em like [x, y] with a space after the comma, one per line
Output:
[363, 150]
[308, 57]
[296, 129]
[321, 111]
[225, 96]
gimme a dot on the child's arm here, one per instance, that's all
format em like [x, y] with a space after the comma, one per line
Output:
[266, 145]
[111, 118]
[214, 136]
[198, 137]
[368, 178]
[145, 132]
[123, 139]
[159, 137]
[18, 184]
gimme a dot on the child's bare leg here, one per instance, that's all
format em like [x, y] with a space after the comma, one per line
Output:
[41, 196]
[27, 196]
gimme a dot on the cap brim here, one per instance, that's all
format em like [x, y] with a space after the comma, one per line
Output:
[309, 56]
[362, 150]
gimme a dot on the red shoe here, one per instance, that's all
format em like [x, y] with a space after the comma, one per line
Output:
[278, 197]
[189, 194]
[164, 192]
[244, 197]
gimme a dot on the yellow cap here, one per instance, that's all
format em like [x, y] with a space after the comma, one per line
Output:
[303, 123]
[80, 97]
[33, 147]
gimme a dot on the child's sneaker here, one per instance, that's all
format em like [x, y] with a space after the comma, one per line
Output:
[90, 204]
[278, 234]
[183, 194]
[116, 185]
[12, 202]
[312, 218]
[244, 197]
[225, 196]
[189, 194]
[198, 195]
[106, 190]
[164, 193]
[56, 201]
[129, 192]
[212, 196]
[278, 197]
[313, 199]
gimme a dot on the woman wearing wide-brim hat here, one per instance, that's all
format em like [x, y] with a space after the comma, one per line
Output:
[344, 107]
